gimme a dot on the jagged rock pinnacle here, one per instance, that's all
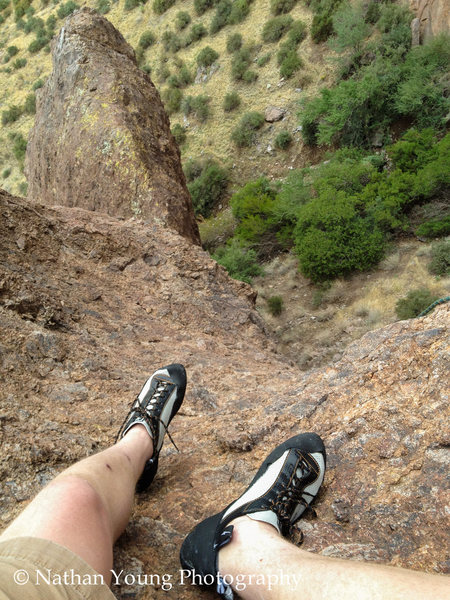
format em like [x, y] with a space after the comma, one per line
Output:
[101, 138]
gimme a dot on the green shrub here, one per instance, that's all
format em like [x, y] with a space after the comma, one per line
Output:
[197, 32]
[160, 6]
[103, 6]
[241, 263]
[440, 258]
[19, 63]
[321, 28]
[221, 16]
[182, 20]
[234, 42]
[192, 169]
[413, 150]
[185, 76]
[291, 63]
[372, 13]
[197, 105]
[19, 147]
[208, 189]
[179, 133]
[217, 229]
[278, 7]
[172, 98]
[249, 76]
[131, 4]
[51, 24]
[4, 4]
[231, 101]
[275, 28]
[171, 41]
[244, 135]
[67, 9]
[201, 6]
[349, 27]
[6, 173]
[434, 228]
[264, 59]
[30, 104]
[297, 32]
[414, 303]
[275, 305]
[206, 57]
[283, 140]
[239, 66]
[11, 115]
[11, 51]
[37, 44]
[253, 207]
[333, 237]
[147, 39]
[239, 11]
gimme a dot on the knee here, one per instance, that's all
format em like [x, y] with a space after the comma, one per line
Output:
[78, 495]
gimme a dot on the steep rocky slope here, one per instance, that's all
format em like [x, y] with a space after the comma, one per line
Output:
[90, 304]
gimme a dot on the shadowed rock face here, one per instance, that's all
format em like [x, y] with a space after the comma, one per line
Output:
[91, 305]
[433, 15]
[101, 139]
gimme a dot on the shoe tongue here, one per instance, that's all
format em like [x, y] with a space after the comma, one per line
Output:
[266, 516]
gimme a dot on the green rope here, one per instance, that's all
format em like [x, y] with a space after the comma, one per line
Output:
[435, 303]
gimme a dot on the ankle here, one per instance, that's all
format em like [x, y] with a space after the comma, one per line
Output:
[248, 535]
[138, 434]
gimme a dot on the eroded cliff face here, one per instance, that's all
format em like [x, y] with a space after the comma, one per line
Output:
[101, 138]
[433, 15]
[91, 304]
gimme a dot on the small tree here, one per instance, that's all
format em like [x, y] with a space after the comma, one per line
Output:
[231, 101]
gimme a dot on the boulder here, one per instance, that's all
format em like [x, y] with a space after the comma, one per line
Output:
[273, 114]
[101, 138]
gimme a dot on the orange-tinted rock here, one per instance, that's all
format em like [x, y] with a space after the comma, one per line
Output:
[91, 305]
[434, 16]
[101, 138]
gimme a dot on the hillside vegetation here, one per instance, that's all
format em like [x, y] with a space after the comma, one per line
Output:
[209, 61]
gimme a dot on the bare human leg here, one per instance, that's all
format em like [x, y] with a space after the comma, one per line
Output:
[263, 565]
[88, 505]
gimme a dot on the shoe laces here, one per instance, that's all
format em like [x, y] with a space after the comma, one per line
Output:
[148, 413]
[290, 494]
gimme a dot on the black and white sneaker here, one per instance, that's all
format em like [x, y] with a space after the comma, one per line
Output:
[154, 408]
[284, 486]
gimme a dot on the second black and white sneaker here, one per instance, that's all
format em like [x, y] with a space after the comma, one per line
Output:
[284, 486]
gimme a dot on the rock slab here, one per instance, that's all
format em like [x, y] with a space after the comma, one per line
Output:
[101, 138]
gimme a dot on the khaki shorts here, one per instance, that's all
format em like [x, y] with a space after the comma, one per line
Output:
[38, 569]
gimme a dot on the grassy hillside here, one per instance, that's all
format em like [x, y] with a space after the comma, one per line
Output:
[23, 68]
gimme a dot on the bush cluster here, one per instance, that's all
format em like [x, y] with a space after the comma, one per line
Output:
[179, 133]
[172, 98]
[240, 262]
[440, 258]
[231, 101]
[206, 57]
[197, 105]
[244, 135]
[147, 39]
[208, 183]
[182, 20]
[283, 140]
[201, 6]
[275, 305]
[234, 42]
[278, 7]
[103, 6]
[240, 66]
[275, 28]
[160, 6]
[67, 9]
[434, 228]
